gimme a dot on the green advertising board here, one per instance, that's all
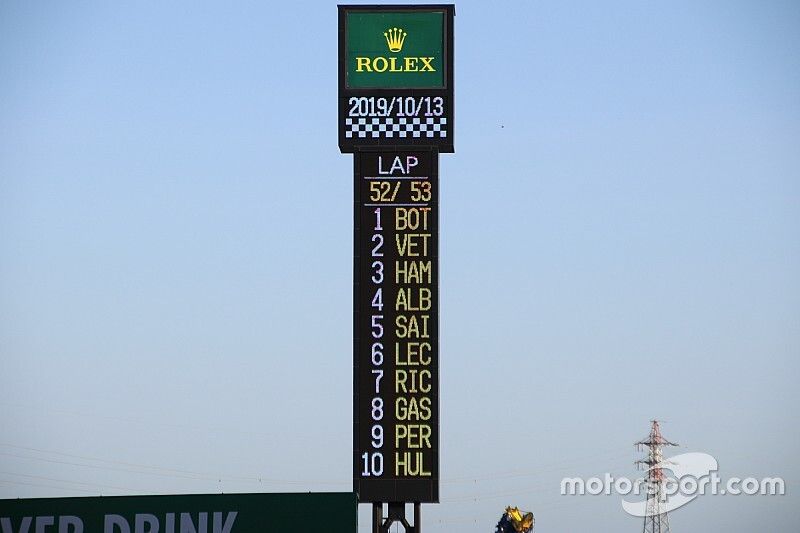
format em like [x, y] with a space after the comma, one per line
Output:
[196, 513]
[395, 49]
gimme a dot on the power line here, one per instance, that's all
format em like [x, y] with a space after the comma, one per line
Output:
[44, 486]
[163, 471]
[69, 482]
[155, 470]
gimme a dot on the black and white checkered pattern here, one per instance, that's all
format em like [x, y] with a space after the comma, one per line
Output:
[396, 127]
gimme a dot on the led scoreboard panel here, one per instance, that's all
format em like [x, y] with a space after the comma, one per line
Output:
[396, 326]
[396, 76]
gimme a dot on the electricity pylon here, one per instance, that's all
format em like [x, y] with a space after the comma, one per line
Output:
[655, 518]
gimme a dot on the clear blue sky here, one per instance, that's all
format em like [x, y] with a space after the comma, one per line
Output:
[619, 241]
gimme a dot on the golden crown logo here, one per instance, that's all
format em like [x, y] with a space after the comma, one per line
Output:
[395, 37]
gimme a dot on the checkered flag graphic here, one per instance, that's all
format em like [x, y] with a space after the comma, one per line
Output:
[396, 127]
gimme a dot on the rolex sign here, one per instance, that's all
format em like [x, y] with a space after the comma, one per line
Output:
[395, 49]
[396, 76]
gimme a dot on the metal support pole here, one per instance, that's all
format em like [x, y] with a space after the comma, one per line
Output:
[377, 517]
[397, 513]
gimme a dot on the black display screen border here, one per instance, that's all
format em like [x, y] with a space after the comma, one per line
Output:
[385, 489]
